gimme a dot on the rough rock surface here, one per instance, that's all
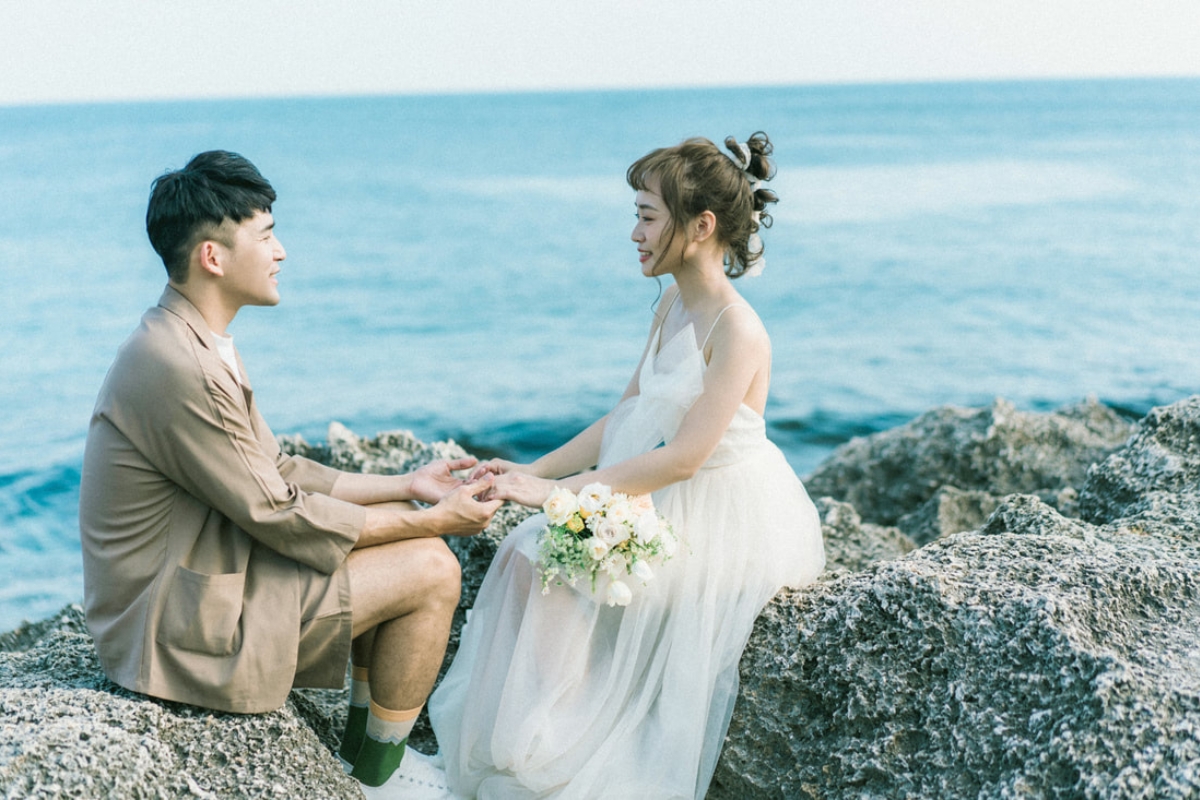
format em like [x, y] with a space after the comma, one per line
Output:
[1039, 656]
[390, 453]
[851, 544]
[998, 450]
[1033, 654]
[1153, 481]
[66, 731]
[949, 511]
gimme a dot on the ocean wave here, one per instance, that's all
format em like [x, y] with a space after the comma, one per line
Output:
[39, 509]
[39, 543]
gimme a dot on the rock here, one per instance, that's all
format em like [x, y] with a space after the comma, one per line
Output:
[949, 511]
[66, 731]
[1039, 656]
[851, 544]
[997, 450]
[1151, 482]
[390, 453]
[1033, 664]
[1029, 654]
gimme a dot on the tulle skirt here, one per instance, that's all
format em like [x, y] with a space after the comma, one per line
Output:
[560, 696]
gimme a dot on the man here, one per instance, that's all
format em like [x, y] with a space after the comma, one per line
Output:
[221, 573]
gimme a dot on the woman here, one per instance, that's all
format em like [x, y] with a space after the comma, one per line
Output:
[562, 695]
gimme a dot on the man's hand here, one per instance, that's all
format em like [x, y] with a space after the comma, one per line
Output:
[461, 513]
[433, 481]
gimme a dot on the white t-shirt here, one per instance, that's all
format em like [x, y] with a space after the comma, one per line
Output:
[225, 348]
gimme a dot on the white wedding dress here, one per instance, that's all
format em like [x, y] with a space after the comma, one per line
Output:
[561, 696]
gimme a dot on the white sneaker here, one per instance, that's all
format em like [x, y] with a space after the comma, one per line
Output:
[422, 767]
[415, 779]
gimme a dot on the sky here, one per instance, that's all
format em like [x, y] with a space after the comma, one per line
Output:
[54, 51]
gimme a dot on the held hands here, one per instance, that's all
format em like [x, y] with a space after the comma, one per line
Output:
[467, 509]
[522, 488]
[515, 482]
[433, 481]
[463, 508]
[498, 466]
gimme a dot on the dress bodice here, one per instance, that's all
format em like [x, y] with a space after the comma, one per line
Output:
[670, 381]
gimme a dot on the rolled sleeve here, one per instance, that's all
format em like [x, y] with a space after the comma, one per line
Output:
[309, 475]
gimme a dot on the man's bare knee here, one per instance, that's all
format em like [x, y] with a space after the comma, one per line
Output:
[443, 572]
[394, 580]
[433, 568]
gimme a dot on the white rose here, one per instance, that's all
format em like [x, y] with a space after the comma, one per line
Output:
[560, 505]
[646, 527]
[593, 498]
[615, 564]
[619, 509]
[619, 594]
[642, 570]
[610, 532]
[596, 548]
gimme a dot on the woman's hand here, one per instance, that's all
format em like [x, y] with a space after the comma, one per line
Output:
[436, 479]
[497, 466]
[520, 487]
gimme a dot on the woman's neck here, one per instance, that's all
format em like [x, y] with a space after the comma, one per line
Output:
[702, 284]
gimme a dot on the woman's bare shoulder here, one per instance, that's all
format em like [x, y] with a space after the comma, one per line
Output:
[739, 330]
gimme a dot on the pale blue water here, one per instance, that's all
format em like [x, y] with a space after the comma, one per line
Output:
[460, 266]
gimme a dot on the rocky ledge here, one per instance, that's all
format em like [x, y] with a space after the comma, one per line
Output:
[1012, 609]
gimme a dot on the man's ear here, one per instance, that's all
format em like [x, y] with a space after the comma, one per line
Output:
[210, 256]
[704, 225]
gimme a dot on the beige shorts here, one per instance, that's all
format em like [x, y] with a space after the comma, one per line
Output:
[326, 625]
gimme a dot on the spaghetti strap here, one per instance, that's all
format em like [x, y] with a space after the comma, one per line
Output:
[662, 321]
[715, 321]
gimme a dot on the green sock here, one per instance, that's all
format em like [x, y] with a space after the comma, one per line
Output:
[356, 715]
[383, 746]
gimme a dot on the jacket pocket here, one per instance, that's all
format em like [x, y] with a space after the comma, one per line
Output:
[203, 612]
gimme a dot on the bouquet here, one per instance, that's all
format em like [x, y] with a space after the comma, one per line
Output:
[600, 532]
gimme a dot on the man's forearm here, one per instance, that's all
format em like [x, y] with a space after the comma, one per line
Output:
[368, 490]
[393, 523]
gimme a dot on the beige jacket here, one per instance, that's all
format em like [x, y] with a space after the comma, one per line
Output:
[201, 541]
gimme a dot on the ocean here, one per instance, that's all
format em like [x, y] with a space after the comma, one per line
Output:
[460, 266]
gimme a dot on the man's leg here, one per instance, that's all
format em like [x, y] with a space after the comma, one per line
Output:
[404, 595]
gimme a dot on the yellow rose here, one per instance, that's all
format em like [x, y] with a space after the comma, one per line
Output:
[575, 524]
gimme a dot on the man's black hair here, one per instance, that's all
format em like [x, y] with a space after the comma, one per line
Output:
[189, 205]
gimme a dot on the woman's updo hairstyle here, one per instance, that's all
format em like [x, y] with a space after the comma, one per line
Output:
[695, 176]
